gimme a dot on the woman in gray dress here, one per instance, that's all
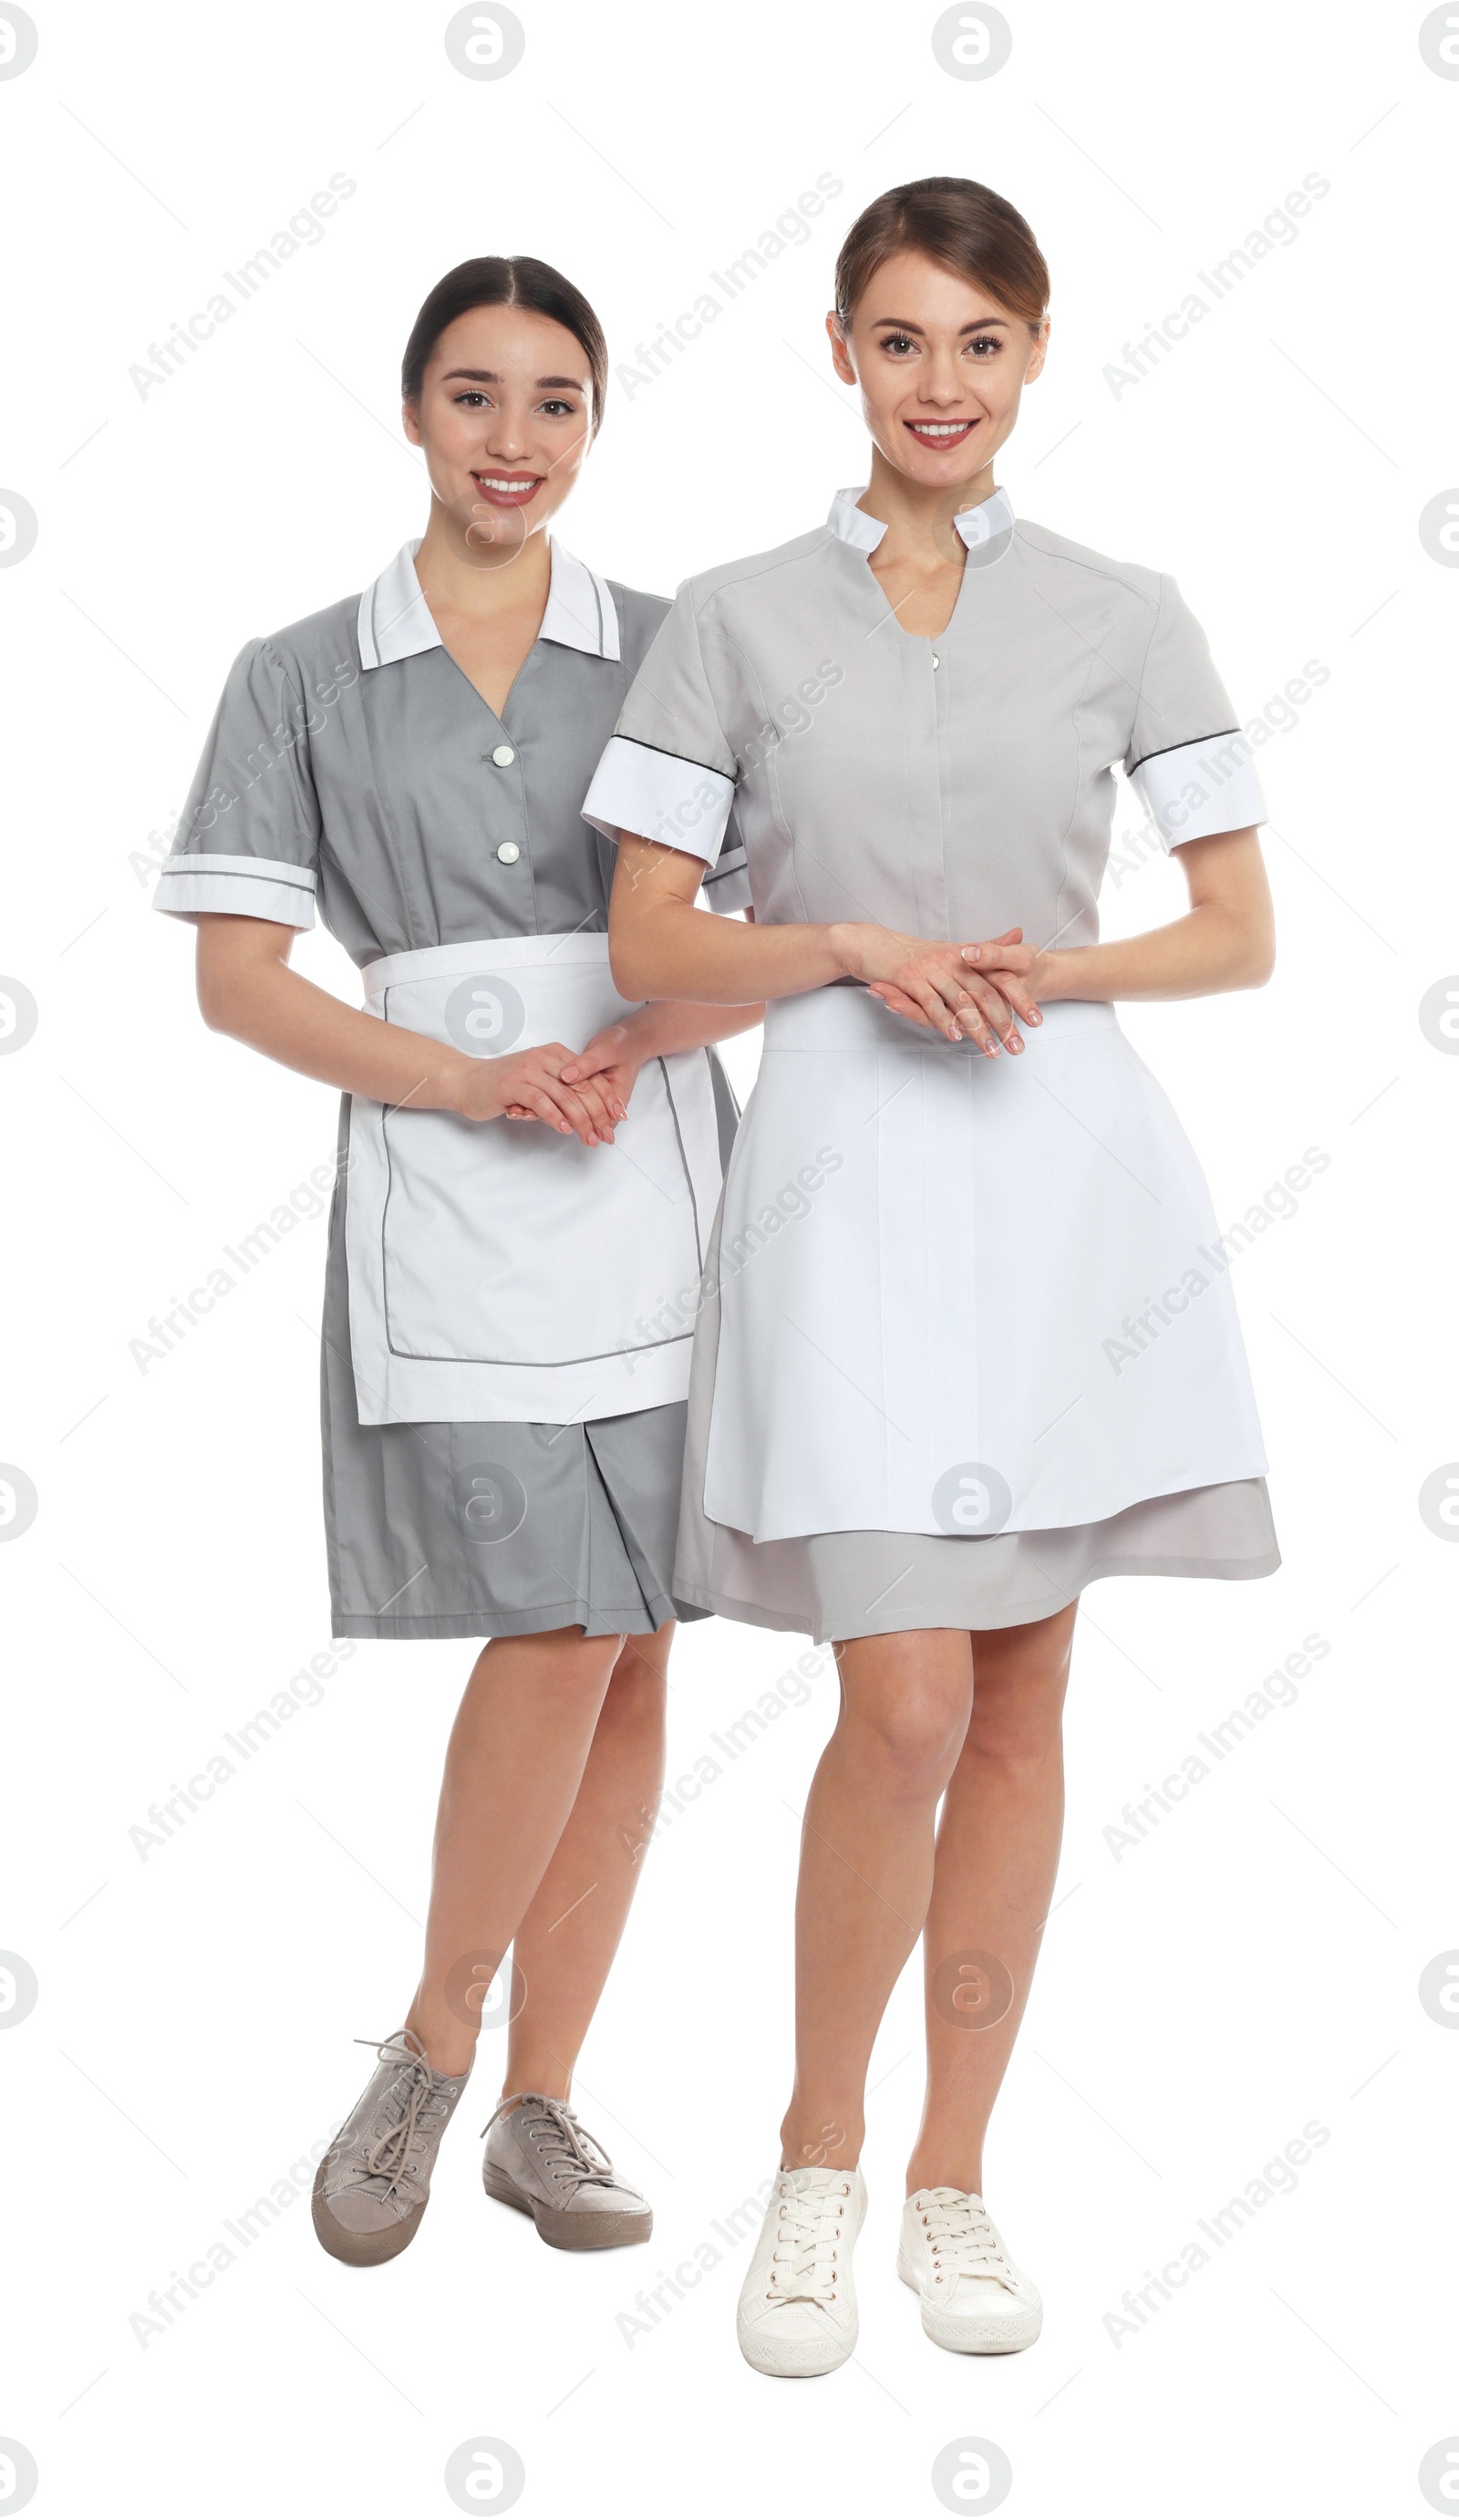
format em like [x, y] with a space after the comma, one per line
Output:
[967, 1339]
[528, 1169]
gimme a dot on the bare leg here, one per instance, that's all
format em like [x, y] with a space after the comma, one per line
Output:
[997, 1851]
[516, 1759]
[566, 1941]
[866, 1869]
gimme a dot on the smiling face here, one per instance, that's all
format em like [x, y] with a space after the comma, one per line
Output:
[504, 418]
[941, 367]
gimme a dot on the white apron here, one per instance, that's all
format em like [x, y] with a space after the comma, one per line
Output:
[963, 1294]
[498, 1270]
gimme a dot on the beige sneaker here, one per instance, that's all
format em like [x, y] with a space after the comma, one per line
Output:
[798, 2304]
[373, 2183]
[541, 2160]
[974, 2299]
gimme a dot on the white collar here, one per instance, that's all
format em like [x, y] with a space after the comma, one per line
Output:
[395, 620]
[990, 520]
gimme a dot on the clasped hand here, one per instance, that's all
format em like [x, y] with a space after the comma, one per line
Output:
[965, 992]
[580, 1093]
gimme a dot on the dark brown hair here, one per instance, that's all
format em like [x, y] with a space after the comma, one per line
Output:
[957, 223]
[505, 280]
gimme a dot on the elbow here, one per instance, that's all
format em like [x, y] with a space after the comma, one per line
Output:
[1260, 958]
[623, 967]
[213, 1005]
[1248, 949]
[223, 1003]
[629, 961]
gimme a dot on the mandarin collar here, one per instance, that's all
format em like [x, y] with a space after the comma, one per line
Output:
[395, 621]
[986, 530]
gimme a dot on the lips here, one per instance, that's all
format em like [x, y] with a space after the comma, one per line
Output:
[508, 489]
[941, 435]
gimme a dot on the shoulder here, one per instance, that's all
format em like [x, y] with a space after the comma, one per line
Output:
[321, 641]
[639, 619]
[635, 607]
[759, 575]
[1054, 555]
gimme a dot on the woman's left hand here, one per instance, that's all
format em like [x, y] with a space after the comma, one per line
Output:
[611, 1057]
[999, 980]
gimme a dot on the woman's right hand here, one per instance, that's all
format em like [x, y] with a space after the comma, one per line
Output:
[527, 1085]
[930, 984]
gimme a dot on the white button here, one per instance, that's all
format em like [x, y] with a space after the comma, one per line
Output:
[936, 659]
[504, 756]
[508, 852]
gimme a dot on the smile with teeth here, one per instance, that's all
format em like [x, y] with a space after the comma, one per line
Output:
[937, 433]
[507, 485]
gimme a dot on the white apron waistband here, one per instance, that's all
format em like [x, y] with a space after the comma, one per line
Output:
[840, 1017]
[573, 951]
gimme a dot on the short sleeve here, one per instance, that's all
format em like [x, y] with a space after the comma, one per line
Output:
[248, 837]
[726, 883]
[1188, 760]
[669, 770]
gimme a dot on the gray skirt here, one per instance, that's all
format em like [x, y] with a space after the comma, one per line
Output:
[837, 1583]
[492, 1530]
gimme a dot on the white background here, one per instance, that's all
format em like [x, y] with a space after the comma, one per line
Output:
[1254, 1963]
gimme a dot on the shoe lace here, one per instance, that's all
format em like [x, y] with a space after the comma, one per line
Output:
[567, 2151]
[961, 2239]
[417, 2093]
[806, 2260]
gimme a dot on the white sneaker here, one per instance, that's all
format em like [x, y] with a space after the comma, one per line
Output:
[798, 2307]
[974, 2299]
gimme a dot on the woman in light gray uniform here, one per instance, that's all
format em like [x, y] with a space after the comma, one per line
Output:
[968, 1340]
[527, 1162]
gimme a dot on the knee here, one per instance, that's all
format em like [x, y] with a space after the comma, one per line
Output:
[1017, 1730]
[908, 1746]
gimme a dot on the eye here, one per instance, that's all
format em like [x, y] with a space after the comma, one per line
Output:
[474, 399]
[897, 342]
[556, 409]
[986, 345]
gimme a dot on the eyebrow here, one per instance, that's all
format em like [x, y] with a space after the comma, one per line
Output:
[983, 324]
[489, 376]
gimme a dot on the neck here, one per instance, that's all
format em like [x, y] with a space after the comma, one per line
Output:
[918, 519]
[475, 577]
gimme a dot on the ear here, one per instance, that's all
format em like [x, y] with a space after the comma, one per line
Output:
[1040, 353]
[840, 354]
[410, 421]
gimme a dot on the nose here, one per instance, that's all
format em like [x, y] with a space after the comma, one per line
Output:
[944, 381]
[506, 436]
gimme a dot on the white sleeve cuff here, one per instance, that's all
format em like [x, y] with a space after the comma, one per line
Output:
[659, 796]
[1192, 791]
[248, 888]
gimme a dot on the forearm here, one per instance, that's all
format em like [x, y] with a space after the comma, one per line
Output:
[668, 1024]
[669, 950]
[1214, 947]
[280, 1012]
[661, 947]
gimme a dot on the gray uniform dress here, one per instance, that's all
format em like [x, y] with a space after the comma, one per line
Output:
[352, 763]
[966, 1340]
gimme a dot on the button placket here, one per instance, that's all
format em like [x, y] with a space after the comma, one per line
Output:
[503, 756]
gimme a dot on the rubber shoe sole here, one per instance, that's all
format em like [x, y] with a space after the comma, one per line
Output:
[560, 2227]
[807, 2360]
[360, 2248]
[973, 2335]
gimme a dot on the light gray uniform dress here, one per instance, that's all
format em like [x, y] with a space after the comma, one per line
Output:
[965, 1339]
[353, 764]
